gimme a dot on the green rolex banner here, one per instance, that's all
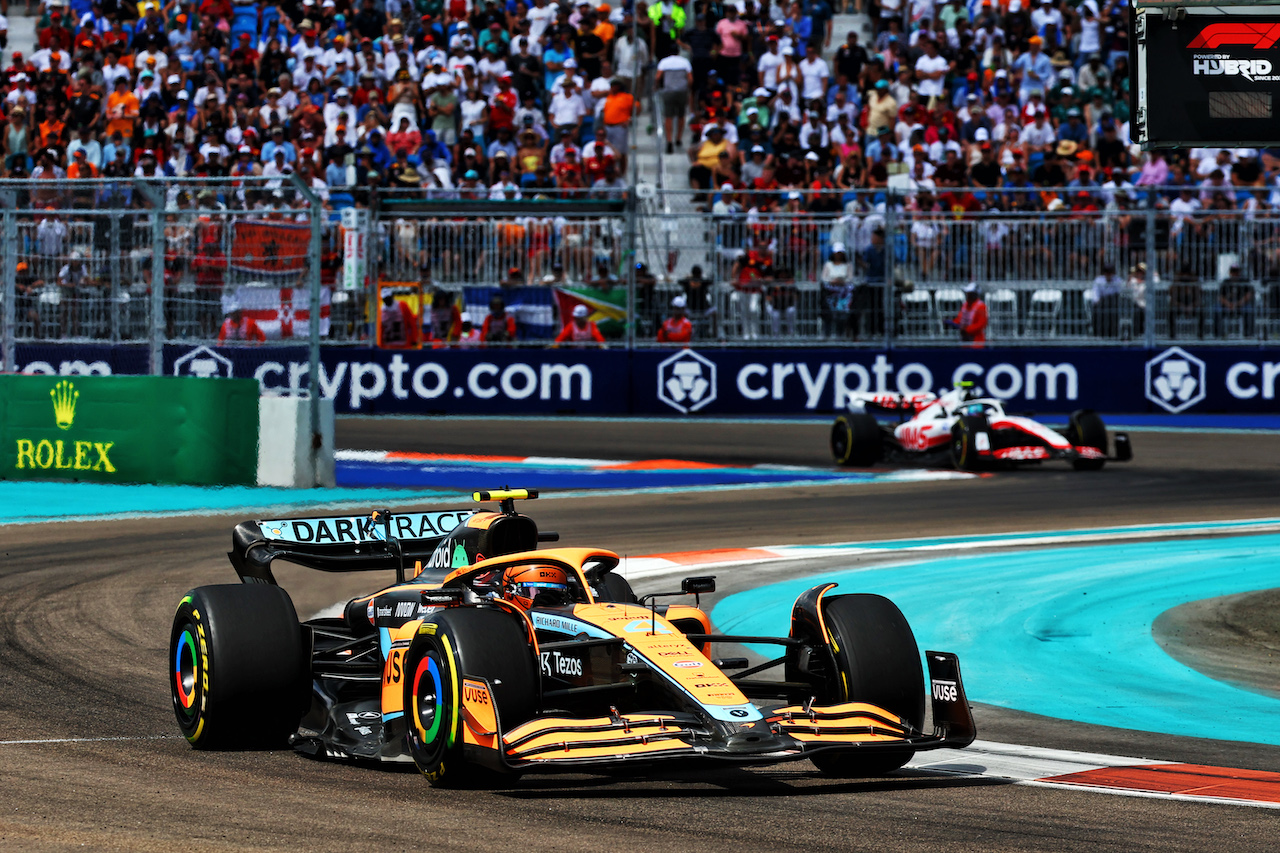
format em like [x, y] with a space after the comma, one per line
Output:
[608, 307]
[129, 429]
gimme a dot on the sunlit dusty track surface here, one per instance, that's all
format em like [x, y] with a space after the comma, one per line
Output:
[84, 633]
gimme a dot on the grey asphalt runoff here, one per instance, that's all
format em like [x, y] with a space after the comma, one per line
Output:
[84, 631]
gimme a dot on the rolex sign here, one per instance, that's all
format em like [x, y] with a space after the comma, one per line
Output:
[128, 429]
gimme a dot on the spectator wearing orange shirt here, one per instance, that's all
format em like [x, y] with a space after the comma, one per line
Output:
[81, 167]
[676, 329]
[580, 331]
[972, 319]
[238, 327]
[122, 109]
[619, 107]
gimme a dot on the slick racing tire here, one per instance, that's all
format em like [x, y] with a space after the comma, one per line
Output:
[964, 455]
[239, 667]
[1086, 429]
[856, 440]
[878, 663]
[488, 644]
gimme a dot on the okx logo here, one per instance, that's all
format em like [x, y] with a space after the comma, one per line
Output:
[1257, 36]
[1175, 380]
[687, 381]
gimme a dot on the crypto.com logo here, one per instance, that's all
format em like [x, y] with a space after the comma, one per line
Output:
[687, 381]
[1256, 36]
[1175, 380]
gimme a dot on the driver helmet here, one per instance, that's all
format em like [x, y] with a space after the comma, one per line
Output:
[536, 586]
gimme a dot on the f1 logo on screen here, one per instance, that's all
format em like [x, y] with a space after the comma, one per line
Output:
[1257, 36]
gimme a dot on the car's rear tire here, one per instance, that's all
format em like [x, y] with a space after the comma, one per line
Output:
[239, 671]
[878, 662]
[964, 453]
[488, 644]
[1086, 429]
[856, 440]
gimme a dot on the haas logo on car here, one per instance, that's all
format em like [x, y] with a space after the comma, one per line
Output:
[945, 691]
[554, 663]
[687, 381]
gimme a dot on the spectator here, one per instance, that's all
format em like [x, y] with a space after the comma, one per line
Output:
[239, 328]
[971, 320]
[676, 328]
[499, 327]
[619, 107]
[674, 80]
[1236, 300]
[580, 331]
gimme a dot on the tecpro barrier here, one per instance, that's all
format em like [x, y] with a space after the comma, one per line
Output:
[128, 429]
[699, 382]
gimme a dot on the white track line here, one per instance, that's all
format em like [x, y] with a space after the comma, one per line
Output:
[87, 739]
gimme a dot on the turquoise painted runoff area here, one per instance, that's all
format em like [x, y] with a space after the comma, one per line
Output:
[52, 501]
[1065, 632]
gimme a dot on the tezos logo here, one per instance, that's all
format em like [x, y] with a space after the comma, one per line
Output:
[687, 381]
[1175, 380]
[204, 363]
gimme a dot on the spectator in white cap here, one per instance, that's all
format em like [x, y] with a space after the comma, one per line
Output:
[580, 331]
[676, 329]
[340, 110]
[971, 320]
[837, 292]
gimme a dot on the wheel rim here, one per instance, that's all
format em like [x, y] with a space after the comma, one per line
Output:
[957, 449]
[839, 440]
[186, 670]
[428, 691]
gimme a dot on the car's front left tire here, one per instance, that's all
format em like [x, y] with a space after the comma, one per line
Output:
[476, 643]
[877, 662]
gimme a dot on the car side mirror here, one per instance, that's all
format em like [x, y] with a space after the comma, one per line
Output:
[698, 586]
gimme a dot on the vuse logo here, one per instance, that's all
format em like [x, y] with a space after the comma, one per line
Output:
[687, 381]
[1175, 380]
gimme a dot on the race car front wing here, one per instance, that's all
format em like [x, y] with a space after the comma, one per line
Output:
[786, 733]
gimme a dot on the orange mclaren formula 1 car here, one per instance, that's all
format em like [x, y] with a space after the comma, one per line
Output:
[491, 657]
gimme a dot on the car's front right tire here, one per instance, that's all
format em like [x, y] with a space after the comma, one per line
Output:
[239, 671]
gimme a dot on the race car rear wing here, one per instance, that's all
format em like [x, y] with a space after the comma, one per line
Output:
[379, 541]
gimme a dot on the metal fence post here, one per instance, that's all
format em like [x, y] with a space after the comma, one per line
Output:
[890, 246]
[9, 274]
[113, 263]
[155, 196]
[313, 322]
[1149, 280]
[630, 255]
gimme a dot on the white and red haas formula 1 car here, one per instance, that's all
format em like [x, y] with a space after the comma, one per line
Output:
[971, 431]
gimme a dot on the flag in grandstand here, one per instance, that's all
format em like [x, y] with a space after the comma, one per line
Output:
[608, 308]
[283, 313]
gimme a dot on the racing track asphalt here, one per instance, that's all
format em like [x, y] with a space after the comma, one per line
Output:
[84, 631]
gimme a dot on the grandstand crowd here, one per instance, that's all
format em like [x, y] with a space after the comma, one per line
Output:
[961, 109]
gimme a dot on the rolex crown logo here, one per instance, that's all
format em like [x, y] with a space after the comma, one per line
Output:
[64, 396]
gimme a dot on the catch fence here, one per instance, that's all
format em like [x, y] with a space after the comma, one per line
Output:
[82, 259]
